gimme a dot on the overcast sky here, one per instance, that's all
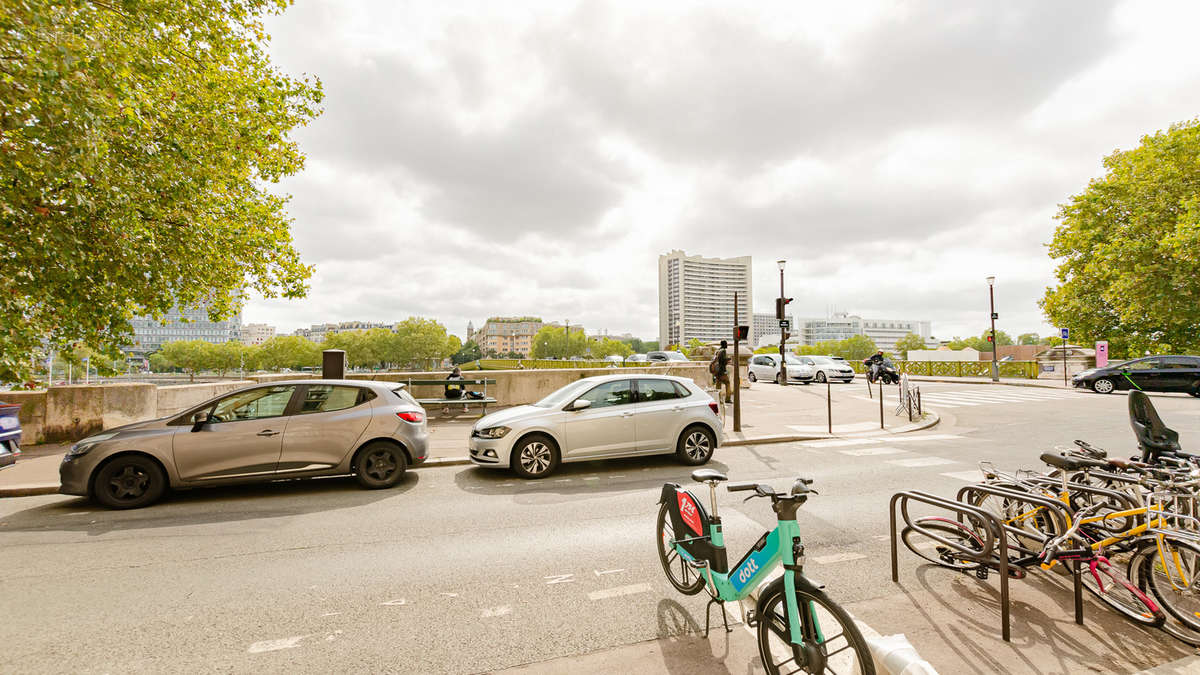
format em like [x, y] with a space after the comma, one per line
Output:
[522, 158]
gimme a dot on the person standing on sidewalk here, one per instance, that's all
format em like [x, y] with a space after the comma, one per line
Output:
[720, 370]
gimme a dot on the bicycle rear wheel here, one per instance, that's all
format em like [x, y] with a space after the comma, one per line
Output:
[1114, 589]
[833, 644]
[1138, 565]
[685, 578]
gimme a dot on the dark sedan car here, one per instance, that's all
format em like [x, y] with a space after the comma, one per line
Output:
[10, 434]
[1153, 373]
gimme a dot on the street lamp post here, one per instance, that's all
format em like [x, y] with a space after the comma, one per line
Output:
[783, 378]
[995, 343]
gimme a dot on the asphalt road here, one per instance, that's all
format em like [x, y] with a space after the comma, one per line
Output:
[463, 570]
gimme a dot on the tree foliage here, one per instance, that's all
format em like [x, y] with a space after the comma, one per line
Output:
[854, 348]
[1129, 249]
[908, 343]
[469, 352]
[1028, 339]
[138, 143]
[551, 343]
[606, 347]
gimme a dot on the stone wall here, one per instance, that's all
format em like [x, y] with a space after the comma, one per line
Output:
[69, 413]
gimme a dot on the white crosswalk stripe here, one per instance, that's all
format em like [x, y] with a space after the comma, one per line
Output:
[953, 398]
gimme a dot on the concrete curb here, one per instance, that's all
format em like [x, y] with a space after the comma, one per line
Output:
[931, 419]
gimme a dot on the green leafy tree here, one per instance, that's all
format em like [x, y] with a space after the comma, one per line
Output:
[854, 348]
[139, 141]
[468, 352]
[636, 345]
[1128, 248]
[288, 351]
[606, 347]
[1028, 339]
[419, 341]
[908, 343]
[551, 343]
[649, 346]
[191, 356]
[160, 363]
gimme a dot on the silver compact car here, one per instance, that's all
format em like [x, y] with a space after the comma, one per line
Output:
[765, 367]
[600, 418]
[292, 429]
[828, 369]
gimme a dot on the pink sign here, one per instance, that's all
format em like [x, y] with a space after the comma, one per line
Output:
[1102, 353]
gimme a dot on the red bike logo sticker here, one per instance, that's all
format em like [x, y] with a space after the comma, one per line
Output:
[689, 513]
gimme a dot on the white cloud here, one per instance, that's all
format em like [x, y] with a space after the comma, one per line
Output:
[535, 158]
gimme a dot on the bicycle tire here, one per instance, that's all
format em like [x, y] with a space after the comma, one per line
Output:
[1128, 600]
[817, 657]
[941, 554]
[671, 558]
[1037, 527]
[1173, 626]
[1161, 578]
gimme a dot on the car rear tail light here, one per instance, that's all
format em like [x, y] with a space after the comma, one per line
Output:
[713, 407]
[410, 416]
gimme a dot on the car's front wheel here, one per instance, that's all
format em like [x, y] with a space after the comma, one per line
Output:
[696, 445]
[129, 482]
[535, 457]
[751, 377]
[380, 465]
[821, 376]
[1103, 386]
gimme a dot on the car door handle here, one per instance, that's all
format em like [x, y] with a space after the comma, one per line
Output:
[627, 414]
[268, 432]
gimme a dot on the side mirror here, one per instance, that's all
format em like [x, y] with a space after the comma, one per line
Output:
[200, 419]
[580, 404]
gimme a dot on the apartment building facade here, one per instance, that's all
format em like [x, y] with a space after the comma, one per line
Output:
[695, 297]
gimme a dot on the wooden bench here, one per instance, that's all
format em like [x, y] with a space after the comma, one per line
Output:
[464, 401]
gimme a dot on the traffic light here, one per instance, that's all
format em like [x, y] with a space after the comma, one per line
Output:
[780, 307]
[990, 339]
[742, 332]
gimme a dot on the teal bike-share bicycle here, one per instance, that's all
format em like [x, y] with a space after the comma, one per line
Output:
[799, 628]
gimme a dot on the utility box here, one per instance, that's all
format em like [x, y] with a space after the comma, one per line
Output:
[333, 364]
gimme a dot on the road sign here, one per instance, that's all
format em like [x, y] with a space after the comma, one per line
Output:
[785, 324]
[995, 316]
[1066, 333]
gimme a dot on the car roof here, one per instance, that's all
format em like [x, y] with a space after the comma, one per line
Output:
[373, 384]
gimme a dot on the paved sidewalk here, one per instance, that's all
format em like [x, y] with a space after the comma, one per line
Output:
[770, 414]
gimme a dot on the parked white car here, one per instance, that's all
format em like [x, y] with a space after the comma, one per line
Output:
[828, 368]
[600, 418]
[765, 367]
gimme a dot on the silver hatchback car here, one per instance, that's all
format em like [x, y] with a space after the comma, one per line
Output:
[600, 418]
[291, 429]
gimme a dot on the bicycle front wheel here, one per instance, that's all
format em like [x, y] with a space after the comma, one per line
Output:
[1170, 572]
[1115, 590]
[685, 578]
[832, 643]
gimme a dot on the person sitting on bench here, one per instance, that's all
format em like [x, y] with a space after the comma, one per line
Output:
[455, 390]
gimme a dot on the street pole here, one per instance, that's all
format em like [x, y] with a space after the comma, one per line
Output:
[1064, 348]
[783, 378]
[737, 377]
[995, 344]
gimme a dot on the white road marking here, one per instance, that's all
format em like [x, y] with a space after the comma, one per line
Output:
[394, 603]
[912, 438]
[562, 480]
[619, 591]
[866, 452]
[921, 461]
[600, 573]
[560, 579]
[973, 476]
[331, 614]
[839, 443]
[448, 594]
[837, 558]
[276, 645]
[492, 612]
[591, 477]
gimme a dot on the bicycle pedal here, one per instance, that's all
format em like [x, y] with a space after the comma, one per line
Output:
[751, 618]
[981, 573]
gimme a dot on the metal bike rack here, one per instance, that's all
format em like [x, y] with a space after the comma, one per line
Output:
[1059, 512]
[993, 532]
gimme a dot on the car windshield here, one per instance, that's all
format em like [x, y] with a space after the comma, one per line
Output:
[564, 396]
[793, 361]
[824, 361]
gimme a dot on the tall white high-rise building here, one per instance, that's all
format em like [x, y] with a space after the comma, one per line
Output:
[695, 297]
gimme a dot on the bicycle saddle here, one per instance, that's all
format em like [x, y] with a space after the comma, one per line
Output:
[705, 475]
[1072, 463]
